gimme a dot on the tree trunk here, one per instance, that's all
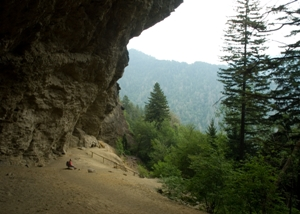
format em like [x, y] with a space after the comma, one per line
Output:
[288, 162]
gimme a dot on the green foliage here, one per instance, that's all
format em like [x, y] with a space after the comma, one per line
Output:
[281, 148]
[144, 133]
[159, 151]
[143, 172]
[132, 113]
[189, 141]
[174, 187]
[211, 133]
[151, 144]
[175, 160]
[157, 109]
[253, 189]
[161, 145]
[119, 147]
[196, 170]
[206, 167]
[212, 172]
[164, 170]
[245, 81]
[192, 89]
[211, 129]
[193, 167]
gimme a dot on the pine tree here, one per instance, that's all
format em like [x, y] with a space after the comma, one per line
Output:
[212, 133]
[243, 79]
[285, 72]
[157, 109]
[126, 102]
[211, 129]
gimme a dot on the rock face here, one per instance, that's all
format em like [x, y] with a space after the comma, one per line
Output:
[59, 63]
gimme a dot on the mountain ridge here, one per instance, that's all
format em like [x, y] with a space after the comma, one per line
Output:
[191, 89]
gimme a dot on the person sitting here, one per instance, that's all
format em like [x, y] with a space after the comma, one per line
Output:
[70, 165]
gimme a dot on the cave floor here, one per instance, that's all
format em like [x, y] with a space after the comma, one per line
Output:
[55, 189]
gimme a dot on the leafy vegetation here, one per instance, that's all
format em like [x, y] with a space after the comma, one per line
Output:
[252, 164]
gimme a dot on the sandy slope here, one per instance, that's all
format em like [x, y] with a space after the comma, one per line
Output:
[54, 189]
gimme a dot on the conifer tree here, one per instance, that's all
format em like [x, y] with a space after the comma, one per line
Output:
[243, 79]
[211, 129]
[126, 102]
[285, 72]
[157, 109]
[211, 132]
[132, 112]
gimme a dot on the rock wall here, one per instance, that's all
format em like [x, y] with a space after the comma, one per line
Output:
[59, 63]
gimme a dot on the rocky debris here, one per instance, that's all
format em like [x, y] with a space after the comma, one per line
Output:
[86, 140]
[40, 165]
[10, 174]
[101, 144]
[60, 62]
[91, 170]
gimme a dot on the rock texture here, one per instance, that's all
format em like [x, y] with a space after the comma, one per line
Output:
[59, 64]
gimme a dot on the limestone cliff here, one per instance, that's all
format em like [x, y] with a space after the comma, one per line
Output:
[59, 63]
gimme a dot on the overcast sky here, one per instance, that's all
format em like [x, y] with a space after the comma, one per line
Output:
[194, 32]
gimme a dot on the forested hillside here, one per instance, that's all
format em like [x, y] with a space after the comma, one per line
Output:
[191, 89]
[252, 165]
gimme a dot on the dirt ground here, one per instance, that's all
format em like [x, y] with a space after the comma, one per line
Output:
[55, 189]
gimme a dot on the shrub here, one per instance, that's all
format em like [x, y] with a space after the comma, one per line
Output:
[119, 147]
[143, 171]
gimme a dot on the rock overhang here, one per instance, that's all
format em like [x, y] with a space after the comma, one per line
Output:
[59, 66]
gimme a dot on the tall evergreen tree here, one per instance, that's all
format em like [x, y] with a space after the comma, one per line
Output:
[157, 109]
[285, 72]
[243, 79]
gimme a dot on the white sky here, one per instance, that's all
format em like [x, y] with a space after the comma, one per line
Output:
[194, 32]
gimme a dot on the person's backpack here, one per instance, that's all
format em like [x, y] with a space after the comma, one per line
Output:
[67, 163]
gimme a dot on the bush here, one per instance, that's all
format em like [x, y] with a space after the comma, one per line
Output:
[208, 185]
[163, 169]
[174, 187]
[253, 189]
[119, 147]
[143, 171]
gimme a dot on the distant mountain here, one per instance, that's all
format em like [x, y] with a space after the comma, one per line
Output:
[191, 89]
